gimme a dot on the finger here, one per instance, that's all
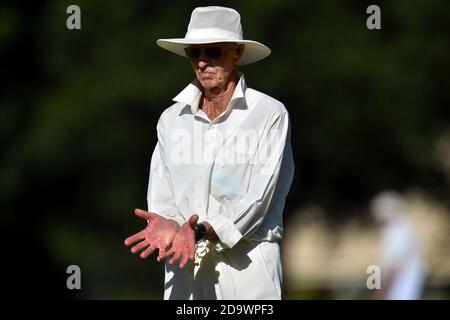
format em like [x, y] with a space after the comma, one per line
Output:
[134, 238]
[140, 246]
[147, 252]
[184, 259]
[144, 214]
[175, 257]
[182, 264]
[161, 253]
[164, 254]
[193, 220]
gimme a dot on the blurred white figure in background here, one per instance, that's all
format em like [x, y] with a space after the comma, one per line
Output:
[403, 267]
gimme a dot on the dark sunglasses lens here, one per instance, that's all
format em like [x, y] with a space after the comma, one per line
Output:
[213, 52]
[210, 52]
[193, 53]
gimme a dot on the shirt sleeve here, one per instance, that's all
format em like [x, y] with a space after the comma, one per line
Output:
[273, 172]
[160, 197]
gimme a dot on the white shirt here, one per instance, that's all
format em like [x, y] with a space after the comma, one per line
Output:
[234, 171]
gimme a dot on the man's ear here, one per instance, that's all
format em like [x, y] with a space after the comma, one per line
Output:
[239, 51]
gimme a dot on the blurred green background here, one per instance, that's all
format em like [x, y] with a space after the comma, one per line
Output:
[78, 110]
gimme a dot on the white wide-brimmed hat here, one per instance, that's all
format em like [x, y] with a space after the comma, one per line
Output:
[212, 25]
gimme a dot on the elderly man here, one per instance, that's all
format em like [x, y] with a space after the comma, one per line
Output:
[220, 172]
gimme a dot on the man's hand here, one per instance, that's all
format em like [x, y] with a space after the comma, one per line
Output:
[158, 234]
[183, 245]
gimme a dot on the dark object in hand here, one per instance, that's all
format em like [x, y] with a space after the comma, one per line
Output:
[200, 232]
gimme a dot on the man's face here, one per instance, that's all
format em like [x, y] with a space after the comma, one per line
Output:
[214, 63]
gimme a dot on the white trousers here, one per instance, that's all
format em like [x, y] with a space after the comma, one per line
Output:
[248, 271]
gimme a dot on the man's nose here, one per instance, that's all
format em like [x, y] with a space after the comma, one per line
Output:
[203, 60]
[202, 63]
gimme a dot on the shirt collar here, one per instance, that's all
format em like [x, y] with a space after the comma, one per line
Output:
[192, 94]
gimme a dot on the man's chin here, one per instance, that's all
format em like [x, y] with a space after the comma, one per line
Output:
[207, 83]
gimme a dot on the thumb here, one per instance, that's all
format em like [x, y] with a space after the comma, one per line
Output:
[193, 220]
[143, 214]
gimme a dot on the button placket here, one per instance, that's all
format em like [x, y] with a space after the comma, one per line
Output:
[208, 157]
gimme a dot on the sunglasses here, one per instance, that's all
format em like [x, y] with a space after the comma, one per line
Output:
[210, 52]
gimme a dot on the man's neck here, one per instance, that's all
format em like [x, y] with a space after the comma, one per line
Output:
[215, 100]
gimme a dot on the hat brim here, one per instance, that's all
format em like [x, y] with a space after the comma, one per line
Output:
[254, 51]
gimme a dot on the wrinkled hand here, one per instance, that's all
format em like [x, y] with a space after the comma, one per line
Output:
[158, 234]
[183, 245]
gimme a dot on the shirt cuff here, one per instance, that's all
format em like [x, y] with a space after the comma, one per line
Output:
[225, 229]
